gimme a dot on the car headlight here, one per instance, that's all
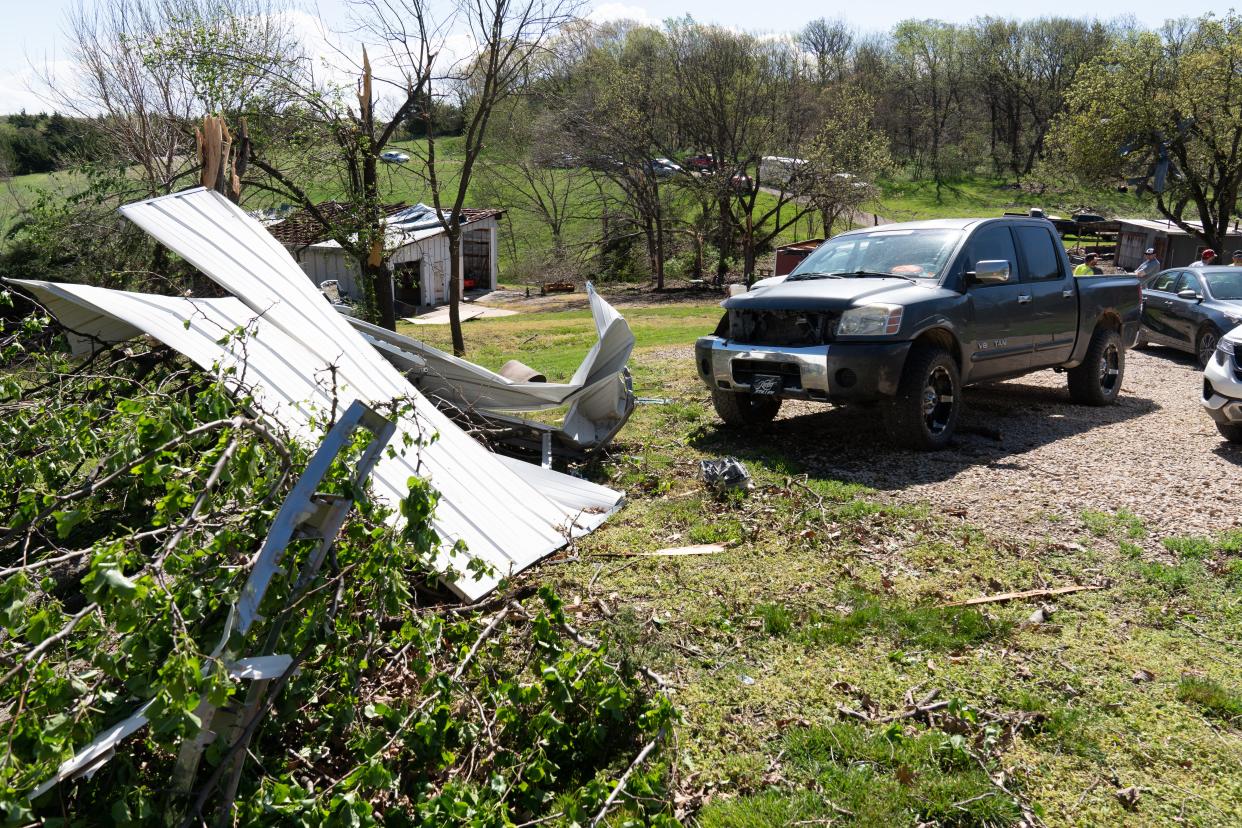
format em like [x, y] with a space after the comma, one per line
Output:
[871, 320]
[1224, 350]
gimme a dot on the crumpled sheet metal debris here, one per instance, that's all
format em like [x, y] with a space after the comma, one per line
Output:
[300, 355]
[599, 394]
[725, 473]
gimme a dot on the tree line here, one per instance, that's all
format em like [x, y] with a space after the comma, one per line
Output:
[42, 143]
[681, 141]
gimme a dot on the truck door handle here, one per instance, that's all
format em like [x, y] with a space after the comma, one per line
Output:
[1024, 298]
[1068, 293]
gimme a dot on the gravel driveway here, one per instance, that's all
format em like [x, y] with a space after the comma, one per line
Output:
[1027, 461]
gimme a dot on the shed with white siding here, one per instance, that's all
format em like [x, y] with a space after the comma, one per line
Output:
[417, 250]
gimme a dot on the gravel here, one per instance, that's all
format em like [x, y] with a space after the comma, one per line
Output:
[1027, 462]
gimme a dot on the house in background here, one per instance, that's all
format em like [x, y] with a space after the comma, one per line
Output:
[418, 252]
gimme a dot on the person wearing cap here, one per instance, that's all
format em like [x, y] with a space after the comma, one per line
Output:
[1237, 259]
[1150, 265]
[1088, 268]
[1206, 258]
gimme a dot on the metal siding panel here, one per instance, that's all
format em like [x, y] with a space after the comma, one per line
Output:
[501, 517]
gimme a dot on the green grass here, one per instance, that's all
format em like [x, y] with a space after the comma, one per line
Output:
[902, 199]
[929, 628]
[850, 775]
[1214, 699]
[1121, 524]
[556, 342]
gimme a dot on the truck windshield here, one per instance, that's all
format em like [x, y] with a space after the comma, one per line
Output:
[910, 254]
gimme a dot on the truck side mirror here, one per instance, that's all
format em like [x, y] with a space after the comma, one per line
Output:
[990, 272]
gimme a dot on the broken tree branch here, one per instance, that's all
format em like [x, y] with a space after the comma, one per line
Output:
[620, 786]
[1013, 596]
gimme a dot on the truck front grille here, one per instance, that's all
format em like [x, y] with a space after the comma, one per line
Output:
[794, 329]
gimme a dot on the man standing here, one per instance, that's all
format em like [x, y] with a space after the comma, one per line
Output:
[1150, 265]
[1208, 257]
[1088, 268]
[1237, 259]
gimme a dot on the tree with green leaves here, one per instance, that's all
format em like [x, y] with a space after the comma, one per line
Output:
[1165, 110]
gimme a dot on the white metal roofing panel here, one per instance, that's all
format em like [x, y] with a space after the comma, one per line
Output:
[473, 385]
[499, 514]
[292, 387]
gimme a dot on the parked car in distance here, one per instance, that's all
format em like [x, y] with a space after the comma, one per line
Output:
[1222, 386]
[703, 162]
[742, 183]
[904, 315]
[1190, 308]
[663, 167]
[393, 157]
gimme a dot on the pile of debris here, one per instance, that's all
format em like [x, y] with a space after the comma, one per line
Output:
[276, 341]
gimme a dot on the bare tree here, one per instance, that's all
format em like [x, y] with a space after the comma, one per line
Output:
[149, 70]
[829, 42]
[506, 37]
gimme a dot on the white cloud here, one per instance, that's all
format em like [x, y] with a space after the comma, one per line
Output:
[607, 12]
[24, 88]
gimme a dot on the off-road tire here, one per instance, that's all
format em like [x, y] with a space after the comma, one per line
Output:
[1097, 380]
[1207, 339]
[740, 409]
[924, 413]
[1230, 431]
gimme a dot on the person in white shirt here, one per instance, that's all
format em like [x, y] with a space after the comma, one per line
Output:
[1206, 258]
[1150, 265]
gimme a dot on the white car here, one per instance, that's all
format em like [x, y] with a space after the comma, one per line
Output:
[1222, 386]
[394, 157]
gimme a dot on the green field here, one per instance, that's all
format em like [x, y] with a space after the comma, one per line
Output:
[826, 599]
[902, 199]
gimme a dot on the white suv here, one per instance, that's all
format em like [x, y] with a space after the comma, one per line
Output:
[1222, 386]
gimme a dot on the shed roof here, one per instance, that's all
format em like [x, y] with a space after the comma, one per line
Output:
[1167, 227]
[303, 229]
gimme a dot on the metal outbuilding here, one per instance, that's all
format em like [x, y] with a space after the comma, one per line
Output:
[1174, 246]
[417, 245]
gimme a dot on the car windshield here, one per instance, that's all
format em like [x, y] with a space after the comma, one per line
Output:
[910, 254]
[1226, 285]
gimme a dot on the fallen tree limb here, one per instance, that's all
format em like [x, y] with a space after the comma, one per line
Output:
[1013, 596]
[620, 786]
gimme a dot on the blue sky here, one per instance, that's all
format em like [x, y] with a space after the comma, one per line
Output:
[32, 29]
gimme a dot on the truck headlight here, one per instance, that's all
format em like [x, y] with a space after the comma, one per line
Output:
[870, 320]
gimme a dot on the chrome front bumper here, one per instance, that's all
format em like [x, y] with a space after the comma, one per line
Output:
[838, 372]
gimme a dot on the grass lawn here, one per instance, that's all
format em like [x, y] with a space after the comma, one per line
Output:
[902, 199]
[793, 656]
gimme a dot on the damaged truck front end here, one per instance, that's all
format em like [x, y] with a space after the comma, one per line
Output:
[793, 354]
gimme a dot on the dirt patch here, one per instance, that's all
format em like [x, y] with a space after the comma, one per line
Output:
[1028, 462]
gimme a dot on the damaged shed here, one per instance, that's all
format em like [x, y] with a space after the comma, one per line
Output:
[418, 246]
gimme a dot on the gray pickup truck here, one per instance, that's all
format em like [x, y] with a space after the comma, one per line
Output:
[906, 314]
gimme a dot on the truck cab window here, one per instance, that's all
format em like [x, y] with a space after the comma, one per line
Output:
[1040, 258]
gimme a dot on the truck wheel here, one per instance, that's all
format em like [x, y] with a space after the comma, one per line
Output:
[738, 408]
[924, 413]
[1230, 431]
[1097, 381]
[1205, 344]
